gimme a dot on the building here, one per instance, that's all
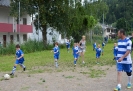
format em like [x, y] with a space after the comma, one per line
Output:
[109, 31]
[10, 30]
[15, 32]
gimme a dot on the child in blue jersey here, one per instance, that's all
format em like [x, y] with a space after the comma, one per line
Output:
[103, 44]
[19, 59]
[94, 46]
[98, 53]
[75, 53]
[68, 45]
[115, 49]
[77, 44]
[56, 54]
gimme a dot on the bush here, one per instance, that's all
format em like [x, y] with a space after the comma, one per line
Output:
[62, 46]
[7, 50]
[112, 41]
[27, 47]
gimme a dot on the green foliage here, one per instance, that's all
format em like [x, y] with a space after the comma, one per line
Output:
[97, 30]
[27, 47]
[62, 46]
[97, 38]
[112, 41]
[122, 23]
[69, 17]
[120, 9]
[7, 50]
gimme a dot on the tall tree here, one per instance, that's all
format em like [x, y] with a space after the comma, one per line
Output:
[69, 17]
[52, 12]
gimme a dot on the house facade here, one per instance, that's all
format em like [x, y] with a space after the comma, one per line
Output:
[108, 31]
[10, 30]
[13, 32]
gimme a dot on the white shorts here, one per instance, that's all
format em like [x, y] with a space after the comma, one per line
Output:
[82, 50]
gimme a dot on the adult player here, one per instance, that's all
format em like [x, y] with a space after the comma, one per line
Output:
[124, 62]
[82, 46]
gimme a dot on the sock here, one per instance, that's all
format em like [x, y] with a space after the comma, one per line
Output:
[129, 79]
[14, 69]
[56, 63]
[74, 61]
[119, 85]
[22, 65]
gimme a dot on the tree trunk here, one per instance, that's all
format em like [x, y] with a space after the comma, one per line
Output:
[44, 34]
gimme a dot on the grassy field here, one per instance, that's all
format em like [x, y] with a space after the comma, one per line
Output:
[45, 59]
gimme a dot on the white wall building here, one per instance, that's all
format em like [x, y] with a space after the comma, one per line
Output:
[12, 32]
[108, 31]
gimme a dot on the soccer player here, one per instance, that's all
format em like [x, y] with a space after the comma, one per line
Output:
[19, 59]
[124, 62]
[56, 53]
[77, 44]
[98, 53]
[94, 46]
[82, 46]
[75, 53]
[68, 45]
[115, 49]
[103, 44]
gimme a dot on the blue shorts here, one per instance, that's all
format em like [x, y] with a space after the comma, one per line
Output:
[97, 55]
[76, 56]
[68, 46]
[56, 56]
[19, 61]
[124, 67]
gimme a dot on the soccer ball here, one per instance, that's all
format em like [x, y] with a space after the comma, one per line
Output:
[6, 76]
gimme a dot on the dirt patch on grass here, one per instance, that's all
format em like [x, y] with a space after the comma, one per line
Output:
[98, 78]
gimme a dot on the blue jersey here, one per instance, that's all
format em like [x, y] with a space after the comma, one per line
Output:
[123, 46]
[68, 44]
[75, 50]
[115, 49]
[18, 54]
[94, 45]
[98, 51]
[103, 44]
[56, 50]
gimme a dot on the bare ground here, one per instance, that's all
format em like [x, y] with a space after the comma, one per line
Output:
[68, 80]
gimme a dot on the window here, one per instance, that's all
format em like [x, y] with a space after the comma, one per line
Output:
[17, 37]
[24, 37]
[112, 30]
[108, 30]
[24, 21]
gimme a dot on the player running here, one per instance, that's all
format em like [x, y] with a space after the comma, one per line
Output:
[19, 59]
[98, 53]
[75, 53]
[68, 45]
[56, 54]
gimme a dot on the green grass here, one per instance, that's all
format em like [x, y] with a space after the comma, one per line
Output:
[39, 62]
